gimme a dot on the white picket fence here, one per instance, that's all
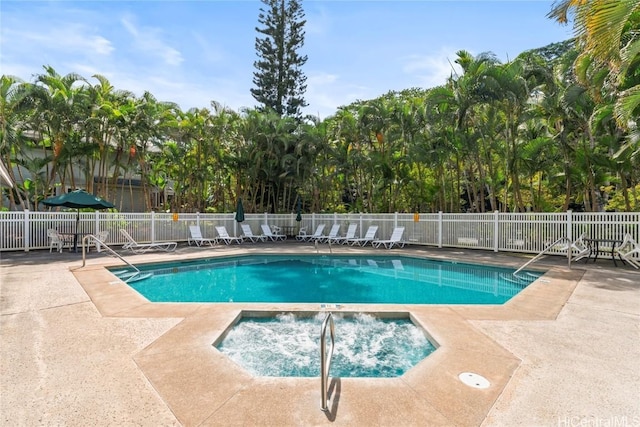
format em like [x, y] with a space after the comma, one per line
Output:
[499, 232]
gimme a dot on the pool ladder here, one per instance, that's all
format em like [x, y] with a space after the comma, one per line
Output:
[325, 362]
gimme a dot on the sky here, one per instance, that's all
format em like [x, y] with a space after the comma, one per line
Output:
[198, 51]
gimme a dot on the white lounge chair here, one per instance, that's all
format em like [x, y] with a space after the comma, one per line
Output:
[317, 235]
[629, 251]
[302, 234]
[351, 234]
[247, 233]
[333, 233]
[368, 237]
[197, 238]
[394, 240]
[266, 230]
[140, 248]
[224, 236]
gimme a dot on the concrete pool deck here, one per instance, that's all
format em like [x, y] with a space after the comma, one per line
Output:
[78, 347]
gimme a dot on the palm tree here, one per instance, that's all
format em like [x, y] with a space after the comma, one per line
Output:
[61, 103]
[607, 31]
[13, 106]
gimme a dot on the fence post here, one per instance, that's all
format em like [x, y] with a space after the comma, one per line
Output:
[97, 227]
[25, 230]
[569, 235]
[361, 235]
[313, 222]
[198, 219]
[440, 229]
[153, 226]
[496, 230]
[395, 220]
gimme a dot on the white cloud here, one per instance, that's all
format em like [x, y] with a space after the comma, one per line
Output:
[149, 40]
[326, 92]
[208, 52]
[70, 38]
[431, 70]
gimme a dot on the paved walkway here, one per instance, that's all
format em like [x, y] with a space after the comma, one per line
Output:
[78, 349]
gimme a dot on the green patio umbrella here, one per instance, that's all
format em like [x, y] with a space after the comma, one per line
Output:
[78, 199]
[299, 210]
[239, 211]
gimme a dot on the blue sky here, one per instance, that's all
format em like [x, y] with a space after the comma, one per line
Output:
[195, 52]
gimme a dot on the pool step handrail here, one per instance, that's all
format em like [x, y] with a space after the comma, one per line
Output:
[325, 362]
[111, 251]
[544, 251]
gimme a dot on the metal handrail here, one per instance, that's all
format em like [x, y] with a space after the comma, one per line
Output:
[84, 257]
[325, 362]
[532, 260]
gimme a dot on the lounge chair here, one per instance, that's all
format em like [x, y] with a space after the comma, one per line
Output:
[351, 234]
[317, 235]
[197, 238]
[394, 240]
[224, 236]
[368, 237]
[628, 250]
[247, 233]
[302, 234]
[266, 230]
[56, 240]
[140, 248]
[333, 233]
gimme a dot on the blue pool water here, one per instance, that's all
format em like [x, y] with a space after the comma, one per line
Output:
[328, 279]
[287, 346]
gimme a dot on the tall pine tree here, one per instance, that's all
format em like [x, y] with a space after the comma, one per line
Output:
[279, 81]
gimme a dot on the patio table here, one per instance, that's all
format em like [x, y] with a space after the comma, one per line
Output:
[75, 236]
[603, 247]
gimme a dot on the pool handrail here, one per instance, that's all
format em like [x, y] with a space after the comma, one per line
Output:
[325, 362]
[84, 257]
[532, 260]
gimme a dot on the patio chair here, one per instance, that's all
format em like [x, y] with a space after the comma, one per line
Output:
[140, 248]
[247, 233]
[266, 230]
[101, 237]
[302, 234]
[56, 239]
[578, 248]
[317, 235]
[628, 251]
[197, 237]
[394, 240]
[224, 236]
[351, 234]
[368, 237]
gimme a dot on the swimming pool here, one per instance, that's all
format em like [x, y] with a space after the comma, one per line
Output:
[335, 279]
[287, 345]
